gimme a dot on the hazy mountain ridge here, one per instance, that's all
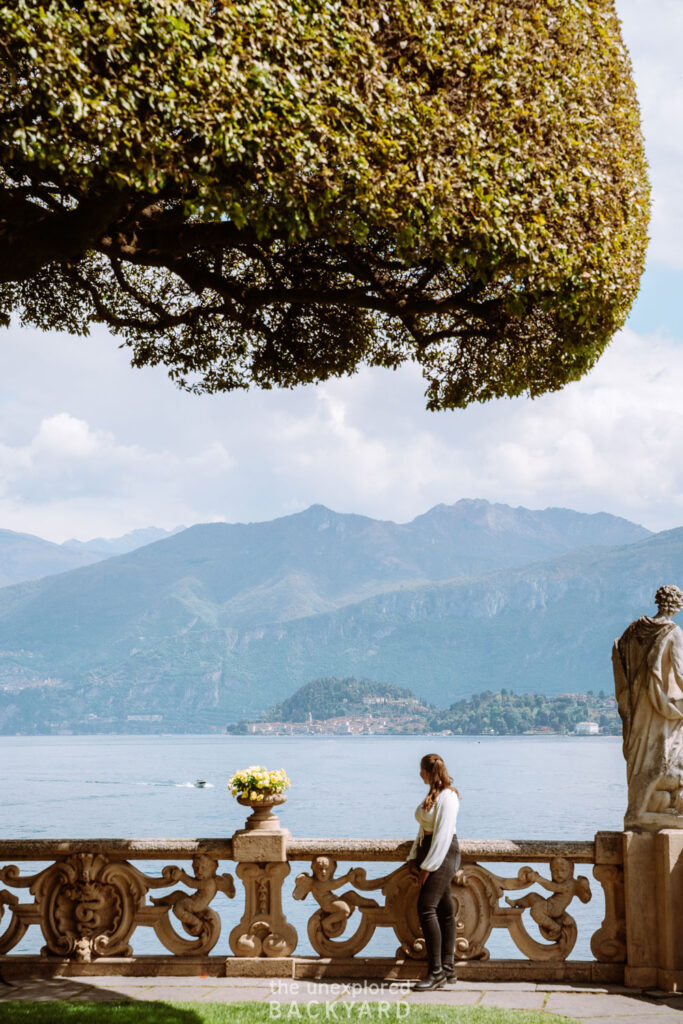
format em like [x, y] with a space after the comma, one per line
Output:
[25, 557]
[108, 546]
[225, 620]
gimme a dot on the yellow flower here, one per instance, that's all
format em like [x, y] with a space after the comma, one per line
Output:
[256, 782]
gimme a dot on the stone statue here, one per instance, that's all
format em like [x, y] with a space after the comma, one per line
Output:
[193, 911]
[648, 676]
[336, 909]
[550, 914]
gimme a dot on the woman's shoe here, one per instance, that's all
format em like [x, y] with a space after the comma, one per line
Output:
[432, 981]
[450, 972]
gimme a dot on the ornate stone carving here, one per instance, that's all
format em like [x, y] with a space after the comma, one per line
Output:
[477, 893]
[263, 930]
[88, 906]
[328, 924]
[191, 909]
[89, 903]
[16, 928]
[648, 677]
[608, 944]
[550, 913]
[400, 890]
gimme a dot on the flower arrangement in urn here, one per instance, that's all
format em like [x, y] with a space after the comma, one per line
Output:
[261, 789]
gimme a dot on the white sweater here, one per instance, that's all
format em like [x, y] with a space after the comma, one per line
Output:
[440, 821]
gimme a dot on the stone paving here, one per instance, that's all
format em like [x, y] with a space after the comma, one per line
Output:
[592, 1004]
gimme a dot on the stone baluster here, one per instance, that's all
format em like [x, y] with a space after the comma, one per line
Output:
[608, 943]
[262, 855]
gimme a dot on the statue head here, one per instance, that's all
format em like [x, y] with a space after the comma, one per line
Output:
[204, 867]
[323, 868]
[669, 600]
[561, 869]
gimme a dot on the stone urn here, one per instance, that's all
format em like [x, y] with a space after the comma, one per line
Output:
[262, 819]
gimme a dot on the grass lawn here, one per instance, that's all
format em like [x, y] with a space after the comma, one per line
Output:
[259, 1013]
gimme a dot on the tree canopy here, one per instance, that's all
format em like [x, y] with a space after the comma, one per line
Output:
[272, 192]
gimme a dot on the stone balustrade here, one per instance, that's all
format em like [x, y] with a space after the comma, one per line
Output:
[88, 897]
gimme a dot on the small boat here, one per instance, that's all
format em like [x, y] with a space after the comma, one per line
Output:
[200, 783]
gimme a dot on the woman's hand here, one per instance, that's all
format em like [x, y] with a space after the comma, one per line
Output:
[422, 876]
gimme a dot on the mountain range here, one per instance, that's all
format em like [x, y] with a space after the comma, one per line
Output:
[219, 621]
[24, 557]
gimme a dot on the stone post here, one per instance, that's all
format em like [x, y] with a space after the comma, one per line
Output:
[608, 944]
[653, 877]
[264, 930]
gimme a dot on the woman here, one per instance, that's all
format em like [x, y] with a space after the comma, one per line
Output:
[436, 855]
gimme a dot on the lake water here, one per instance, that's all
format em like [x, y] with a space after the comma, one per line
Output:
[512, 787]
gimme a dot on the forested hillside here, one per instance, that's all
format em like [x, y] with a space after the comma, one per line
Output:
[327, 698]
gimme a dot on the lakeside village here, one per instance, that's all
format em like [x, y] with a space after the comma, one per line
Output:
[353, 707]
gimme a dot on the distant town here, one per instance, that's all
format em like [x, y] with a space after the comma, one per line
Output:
[350, 707]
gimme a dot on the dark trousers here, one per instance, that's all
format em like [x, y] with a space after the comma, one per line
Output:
[435, 907]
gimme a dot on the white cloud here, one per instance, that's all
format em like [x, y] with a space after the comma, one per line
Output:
[610, 442]
[63, 437]
[70, 476]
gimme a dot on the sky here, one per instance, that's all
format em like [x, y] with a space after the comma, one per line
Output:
[90, 447]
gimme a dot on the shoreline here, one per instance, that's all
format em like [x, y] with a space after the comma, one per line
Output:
[314, 736]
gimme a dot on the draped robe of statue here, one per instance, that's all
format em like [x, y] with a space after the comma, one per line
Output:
[648, 675]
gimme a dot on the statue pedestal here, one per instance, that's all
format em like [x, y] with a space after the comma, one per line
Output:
[653, 879]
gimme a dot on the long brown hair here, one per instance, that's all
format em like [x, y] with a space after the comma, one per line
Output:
[439, 779]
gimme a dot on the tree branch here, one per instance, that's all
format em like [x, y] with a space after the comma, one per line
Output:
[166, 321]
[32, 237]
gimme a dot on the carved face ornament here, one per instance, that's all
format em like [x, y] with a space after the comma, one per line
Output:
[560, 869]
[322, 868]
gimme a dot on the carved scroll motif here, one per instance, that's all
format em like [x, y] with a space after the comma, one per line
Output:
[329, 922]
[88, 906]
[608, 944]
[17, 926]
[477, 893]
[264, 929]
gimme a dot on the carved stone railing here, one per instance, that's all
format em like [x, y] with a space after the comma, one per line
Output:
[478, 894]
[89, 899]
